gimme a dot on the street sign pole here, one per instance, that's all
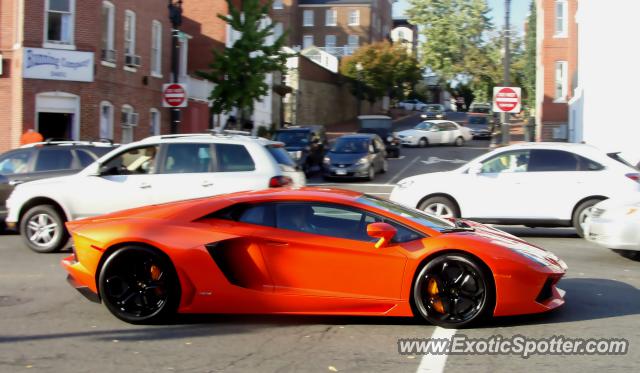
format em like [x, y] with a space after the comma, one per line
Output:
[175, 16]
[505, 127]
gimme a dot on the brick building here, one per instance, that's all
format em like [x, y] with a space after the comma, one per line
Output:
[336, 26]
[83, 69]
[557, 57]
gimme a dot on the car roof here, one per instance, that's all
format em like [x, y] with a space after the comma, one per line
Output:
[106, 144]
[374, 117]
[315, 193]
[356, 136]
[205, 137]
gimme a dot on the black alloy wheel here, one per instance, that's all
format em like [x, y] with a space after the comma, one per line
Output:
[453, 291]
[139, 285]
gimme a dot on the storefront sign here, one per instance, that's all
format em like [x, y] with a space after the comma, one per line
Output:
[58, 64]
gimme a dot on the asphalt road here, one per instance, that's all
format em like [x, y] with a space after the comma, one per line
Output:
[47, 326]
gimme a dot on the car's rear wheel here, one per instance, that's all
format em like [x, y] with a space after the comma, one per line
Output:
[371, 173]
[423, 142]
[440, 206]
[453, 291]
[459, 141]
[139, 285]
[580, 215]
[42, 229]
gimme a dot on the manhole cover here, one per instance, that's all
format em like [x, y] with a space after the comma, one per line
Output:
[7, 300]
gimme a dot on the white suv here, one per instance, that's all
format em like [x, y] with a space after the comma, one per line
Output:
[155, 170]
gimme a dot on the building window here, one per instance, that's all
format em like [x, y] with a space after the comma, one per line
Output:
[154, 122]
[331, 17]
[354, 17]
[59, 21]
[561, 81]
[307, 16]
[106, 120]
[108, 25]
[129, 33]
[561, 18]
[277, 4]
[156, 49]
[129, 120]
[307, 41]
[330, 43]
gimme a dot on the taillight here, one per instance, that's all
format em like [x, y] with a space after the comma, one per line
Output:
[634, 177]
[280, 181]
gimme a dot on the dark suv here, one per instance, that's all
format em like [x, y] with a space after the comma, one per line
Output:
[43, 160]
[306, 145]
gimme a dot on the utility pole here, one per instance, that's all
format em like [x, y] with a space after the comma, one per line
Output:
[506, 65]
[175, 16]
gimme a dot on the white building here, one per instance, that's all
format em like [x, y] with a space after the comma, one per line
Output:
[601, 112]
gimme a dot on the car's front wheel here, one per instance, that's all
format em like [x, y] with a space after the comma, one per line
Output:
[139, 285]
[423, 142]
[42, 229]
[459, 141]
[453, 291]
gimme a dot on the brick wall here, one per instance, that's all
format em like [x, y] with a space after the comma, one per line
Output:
[10, 100]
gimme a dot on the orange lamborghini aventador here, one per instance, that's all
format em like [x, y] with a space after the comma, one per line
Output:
[306, 251]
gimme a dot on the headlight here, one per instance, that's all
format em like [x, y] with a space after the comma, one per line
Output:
[390, 138]
[405, 184]
[326, 160]
[362, 162]
[439, 116]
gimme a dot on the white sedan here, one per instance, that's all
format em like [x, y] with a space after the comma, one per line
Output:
[532, 184]
[412, 105]
[434, 132]
[615, 224]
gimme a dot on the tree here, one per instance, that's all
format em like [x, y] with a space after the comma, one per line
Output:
[529, 73]
[386, 70]
[239, 72]
[454, 31]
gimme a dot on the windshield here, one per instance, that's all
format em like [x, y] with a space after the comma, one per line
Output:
[423, 126]
[434, 108]
[414, 215]
[375, 123]
[477, 120]
[351, 146]
[293, 138]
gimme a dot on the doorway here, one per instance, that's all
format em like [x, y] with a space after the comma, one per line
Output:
[55, 125]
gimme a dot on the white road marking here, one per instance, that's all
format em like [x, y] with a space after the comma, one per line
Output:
[393, 179]
[434, 160]
[436, 363]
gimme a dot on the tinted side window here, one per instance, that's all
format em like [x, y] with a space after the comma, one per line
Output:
[16, 162]
[85, 157]
[133, 161]
[260, 214]
[552, 160]
[187, 158]
[322, 219]
[233, 158]
[54, 159]
[281, 156]
[589, 165]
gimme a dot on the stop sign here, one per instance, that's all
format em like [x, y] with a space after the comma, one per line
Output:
[506, 99]
[174, 95]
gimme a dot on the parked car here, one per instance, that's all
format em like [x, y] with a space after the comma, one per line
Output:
[480, 108]
[480, 126]
[412, 105]
[45, 160]
[360, 155]
[615, 224]
[155, 170]
[382, 126]
[432, 111]
[435, 132]
[533, 184]
[306, 145]
[307, 251]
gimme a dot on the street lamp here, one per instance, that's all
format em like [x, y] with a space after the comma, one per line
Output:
[175, 16]
[359, 69]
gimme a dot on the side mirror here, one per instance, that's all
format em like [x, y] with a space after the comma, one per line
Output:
[385, 232]
[475, 169]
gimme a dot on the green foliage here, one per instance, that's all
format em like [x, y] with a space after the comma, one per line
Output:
[239, 72]
[454, 32]
[387, 69]
[529, 69]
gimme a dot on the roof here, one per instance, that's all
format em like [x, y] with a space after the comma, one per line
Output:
[204, 137]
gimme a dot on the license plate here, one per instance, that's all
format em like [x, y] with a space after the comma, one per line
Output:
[341, 172]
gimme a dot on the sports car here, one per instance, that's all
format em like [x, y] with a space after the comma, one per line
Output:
[306, 251]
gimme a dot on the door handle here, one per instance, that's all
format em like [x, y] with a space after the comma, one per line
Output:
[207, 183]
[15, 182]
[145, 185]
[277, 243]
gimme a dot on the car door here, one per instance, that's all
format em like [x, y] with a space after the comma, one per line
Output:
[446, 132]
[432, 132]
[15, 167]
[123, 181]
[379, 152]
[322, 249]
[499, 189]
[185, 171]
